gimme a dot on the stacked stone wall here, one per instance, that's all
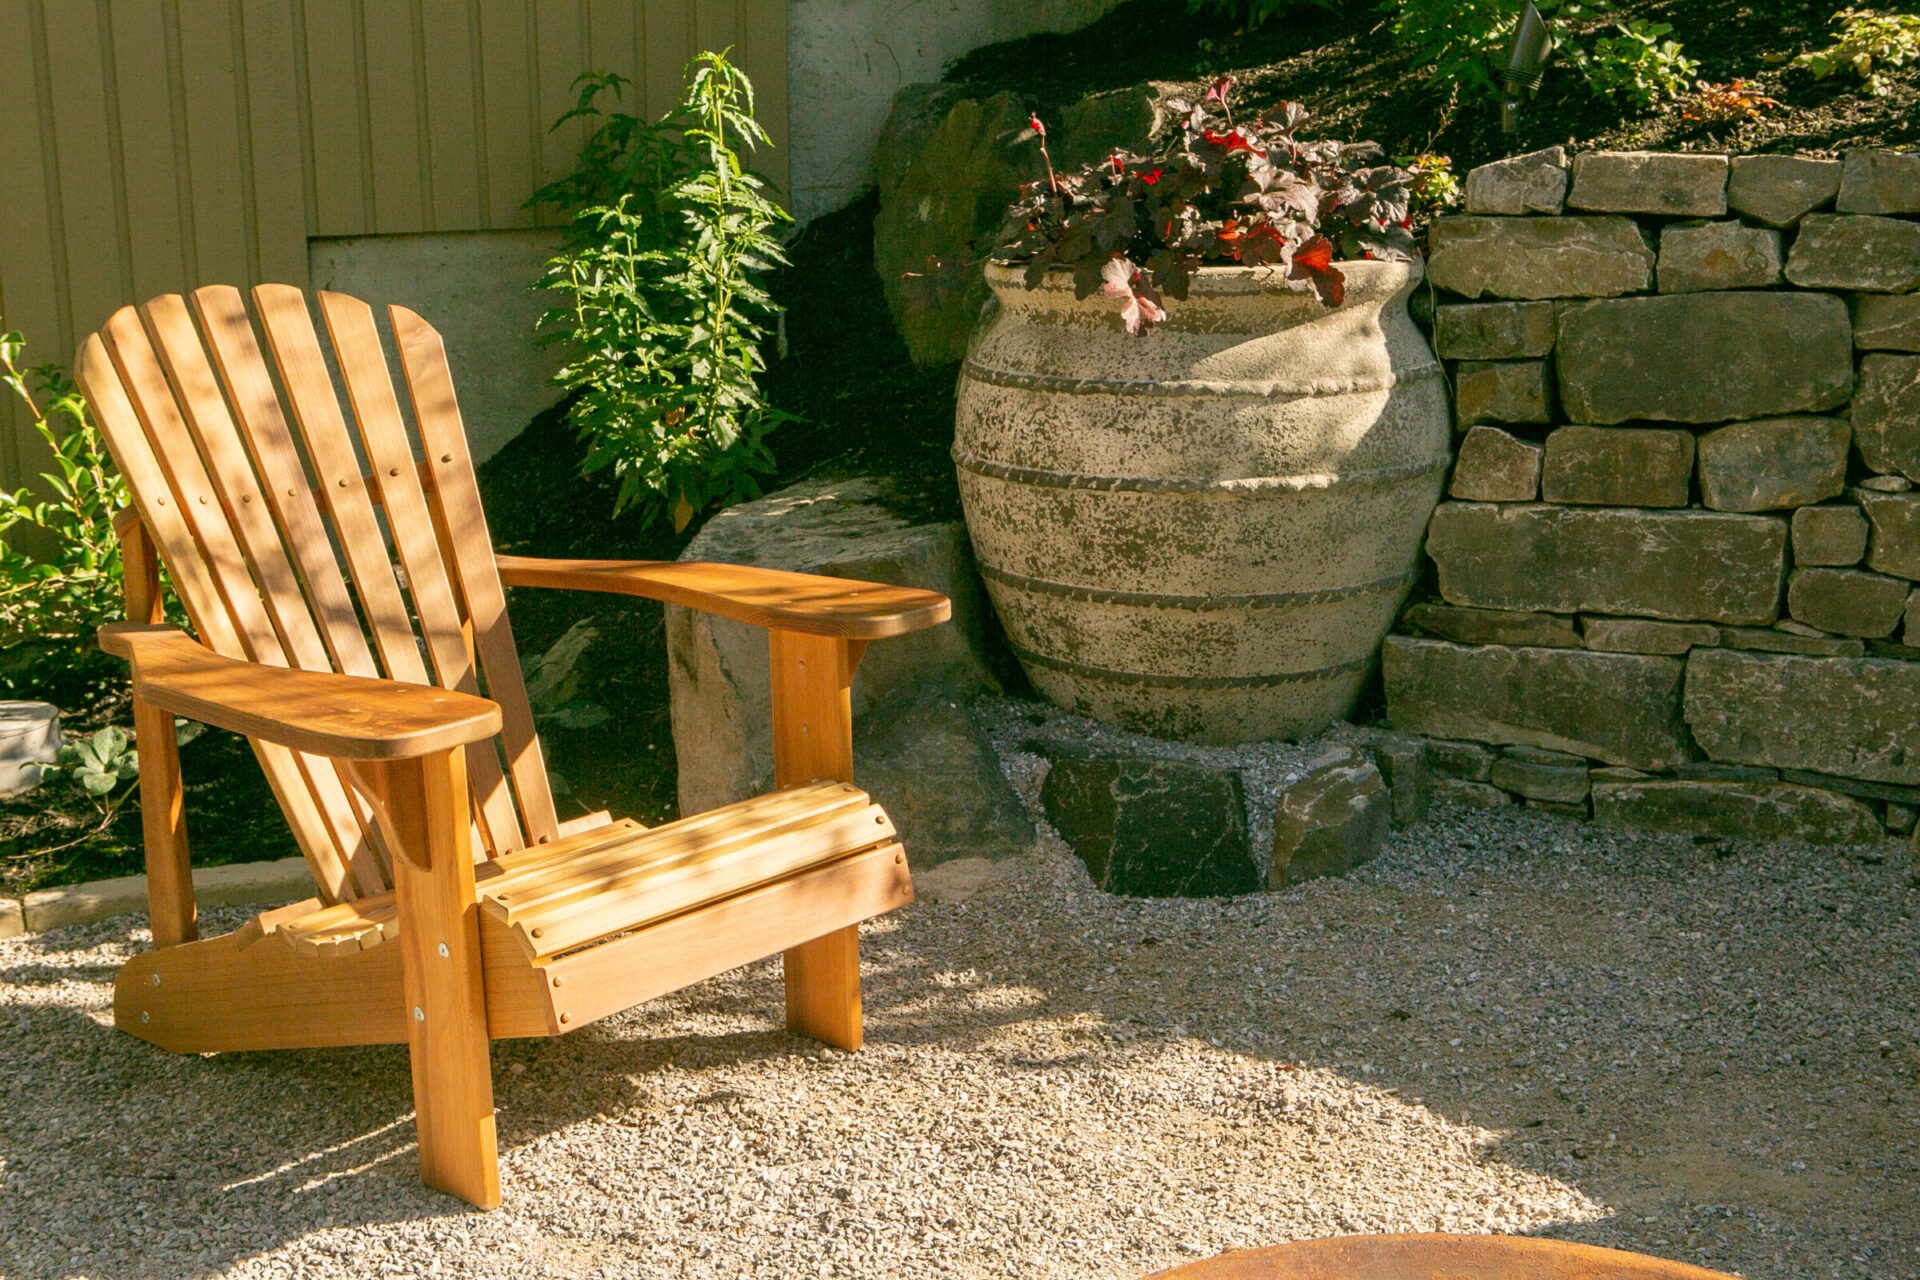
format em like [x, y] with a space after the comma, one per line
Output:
[1676, 578]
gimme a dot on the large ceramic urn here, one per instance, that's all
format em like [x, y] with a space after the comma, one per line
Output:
[1203, 533]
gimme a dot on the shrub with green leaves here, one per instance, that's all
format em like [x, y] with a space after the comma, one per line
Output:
[664, 314]
[1461, 41]
[1638, 65]
[1867, 42]
[53, 597]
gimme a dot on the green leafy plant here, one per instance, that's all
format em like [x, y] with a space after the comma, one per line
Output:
[1730, 103]
[1458, 41]
[1216, 190]
[52, 598]
[664, 314]
[1637, 64]
[1436, 187]
[1867, 42]
[99, 763]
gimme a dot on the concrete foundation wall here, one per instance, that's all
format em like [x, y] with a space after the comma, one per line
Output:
[847, 58]
[472, 287]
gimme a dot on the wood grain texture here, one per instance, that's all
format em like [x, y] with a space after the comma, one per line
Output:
[348, 717]
[163, 827]
[441, 977]
[801, 602]
[1435, 1256]
[812, 697]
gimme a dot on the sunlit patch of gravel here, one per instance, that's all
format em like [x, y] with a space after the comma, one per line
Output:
[1507, 1022]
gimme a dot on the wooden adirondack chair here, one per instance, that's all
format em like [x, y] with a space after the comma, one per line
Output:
[352, 622]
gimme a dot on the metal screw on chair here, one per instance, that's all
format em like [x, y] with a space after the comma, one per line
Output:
[444, 953]
[156, 979]
[145, 1016]
[419, 1014]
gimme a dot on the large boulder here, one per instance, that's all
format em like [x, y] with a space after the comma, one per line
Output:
[1689, 566]
[1538, 257]
[1618, 707]
[948, 165]
[1704, 357]
[1852, 717]
[718, 669]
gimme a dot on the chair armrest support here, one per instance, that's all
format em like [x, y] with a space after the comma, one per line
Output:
[344, 717]
[771, 598]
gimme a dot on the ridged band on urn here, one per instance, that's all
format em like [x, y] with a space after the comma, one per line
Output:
[1203, 533]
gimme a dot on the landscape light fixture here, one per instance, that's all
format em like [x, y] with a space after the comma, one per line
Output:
[1526, 64]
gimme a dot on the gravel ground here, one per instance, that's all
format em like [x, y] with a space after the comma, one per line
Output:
[1507, 1022]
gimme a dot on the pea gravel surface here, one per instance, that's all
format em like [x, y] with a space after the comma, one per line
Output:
[1507, 1022]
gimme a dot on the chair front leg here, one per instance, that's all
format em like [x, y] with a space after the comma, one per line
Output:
[163, 818]
[423, 804]
[813, 742]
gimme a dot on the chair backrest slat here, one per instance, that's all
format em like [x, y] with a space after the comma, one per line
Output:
[469, 549]
[285, 553]
[383, 435]
[310, 792]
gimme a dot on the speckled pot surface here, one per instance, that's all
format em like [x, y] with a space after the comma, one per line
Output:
[1203, 533]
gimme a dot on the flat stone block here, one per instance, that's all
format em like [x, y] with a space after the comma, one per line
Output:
[1886, 321]
[1467, 761]
[1502, 391]
[1562, 780]
[937, 775]
[1880, 182]
[1886, 414]
[13, 922]
[1779, 190]
[1774, 463]
[1148, 827]
[1474, 795]
[1910, 626]
[1739, 810]
[1664, 182]
[1531, 183]
[1616, 707]
[1403, 762]
[1887, 484]
[238, 884]
[1848, 251]
[1894, 544]
[1886, 791]
[1718, 255]
[1618, 467]
[1703, 357]
[1714, 771]
[1643, 635]
[1687, 566]
[1493, 626]
[1780, 640]
[1330, 821]
[1847, 602]
[1538, 257]
[1493, 330]
[1835, 536]
[1847, 716]
[1493, 466]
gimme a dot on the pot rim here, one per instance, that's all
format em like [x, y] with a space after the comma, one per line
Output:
[1363, 275]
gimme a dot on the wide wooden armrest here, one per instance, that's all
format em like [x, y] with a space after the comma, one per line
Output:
[772, 598]
[345, 717]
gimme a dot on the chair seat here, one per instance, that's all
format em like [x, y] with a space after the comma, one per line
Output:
[569, 894]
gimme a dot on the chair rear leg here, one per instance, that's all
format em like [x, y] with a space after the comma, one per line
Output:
[425, 803]
[823, 988]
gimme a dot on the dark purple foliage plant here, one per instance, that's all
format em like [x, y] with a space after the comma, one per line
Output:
[1215, 191]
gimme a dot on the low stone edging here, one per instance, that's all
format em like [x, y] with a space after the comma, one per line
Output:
[234, 885]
